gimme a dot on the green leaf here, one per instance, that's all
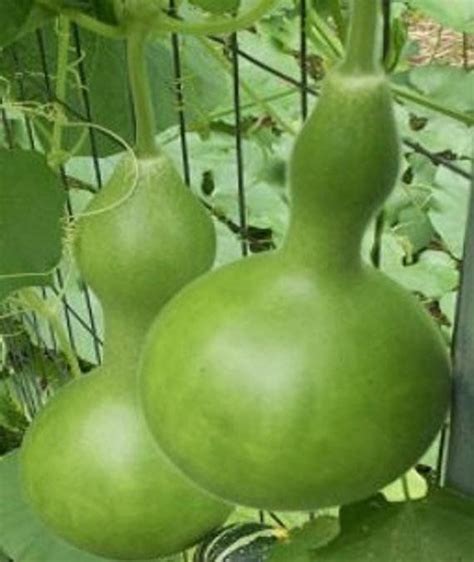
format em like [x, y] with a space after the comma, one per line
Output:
[14, 15]
[424, 171]
[449, 209]
[450, 85]
[229, 248]
[442, 134]
[31, 206]
[458, 14]
[302, 542]
[448, 306]
[23, 536]
[433, 275]
[415, 228]
[267, 212]
[436, 529]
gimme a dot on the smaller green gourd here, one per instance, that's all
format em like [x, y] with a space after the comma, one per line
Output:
[316, 379]
[89, 466]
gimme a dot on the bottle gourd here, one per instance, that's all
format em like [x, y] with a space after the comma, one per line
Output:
[305, 378]
[90, 467]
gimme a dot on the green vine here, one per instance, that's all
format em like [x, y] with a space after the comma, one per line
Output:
[88, 22]
[141, 94]
[56, 155]
[361, 53]
[215, 25]
[160, 22]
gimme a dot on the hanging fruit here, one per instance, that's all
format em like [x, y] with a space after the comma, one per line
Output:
[305, 378]
[90, 467]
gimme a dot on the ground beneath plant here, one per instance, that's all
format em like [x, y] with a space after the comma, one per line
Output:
[439, 44]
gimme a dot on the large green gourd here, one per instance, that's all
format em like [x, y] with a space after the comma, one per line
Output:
[90, 467]
[305, 378]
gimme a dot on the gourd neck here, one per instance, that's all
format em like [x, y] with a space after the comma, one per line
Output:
[327, 247]
[146, 145]
[125, 333]
[342, 167]
[363, 51]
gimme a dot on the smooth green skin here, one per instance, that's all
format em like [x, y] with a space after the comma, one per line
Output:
[136, 256]
[89, 465]
[304, 378]
[96, 477]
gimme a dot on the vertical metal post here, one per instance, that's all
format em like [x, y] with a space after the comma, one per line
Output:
[460, 469]
[304, 59]
[387, 27]
[239, 150]
[180, 101]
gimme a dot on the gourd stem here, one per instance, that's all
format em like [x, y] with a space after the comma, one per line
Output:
[55, 155]
[141, 94]
[214, 25]
[362, 53]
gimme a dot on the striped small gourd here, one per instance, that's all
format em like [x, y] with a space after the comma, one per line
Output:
[241, 542]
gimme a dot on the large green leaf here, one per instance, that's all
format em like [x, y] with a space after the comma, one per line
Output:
[439, 528]
[31, 206]
[449, 209]
[458, 14]
[450, 85]
[14, 15]
[23, 536]
[415, 228]
[433, 275]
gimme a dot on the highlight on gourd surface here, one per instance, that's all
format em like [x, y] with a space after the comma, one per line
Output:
[89, 465]
[306, 344]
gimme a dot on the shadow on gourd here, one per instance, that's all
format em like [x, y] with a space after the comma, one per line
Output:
[90, 467]
[316, 379]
